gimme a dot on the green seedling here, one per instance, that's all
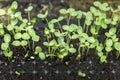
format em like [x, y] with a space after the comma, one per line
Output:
[5, 46]
[17, 73]
[81, 74]
[38, 51]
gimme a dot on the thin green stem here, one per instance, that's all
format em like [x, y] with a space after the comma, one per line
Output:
[29, 16]
[33, 44]
[78, 22]
[60, 26]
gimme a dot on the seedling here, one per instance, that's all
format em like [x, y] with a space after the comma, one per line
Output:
[5, 46]
[81, 74]
[38, 51]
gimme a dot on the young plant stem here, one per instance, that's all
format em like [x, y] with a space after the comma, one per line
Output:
[29, 44]
[24, 48]
[60, 26]
[29, 17]
[79, 50]
[87, 29]
[87, 51]
[83, 50]
[47, 20]
[68, 20]
[78, 22]
[117, 54]
[33, 44]
[84, 27]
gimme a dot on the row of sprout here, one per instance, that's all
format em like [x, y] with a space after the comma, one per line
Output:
[97, 29]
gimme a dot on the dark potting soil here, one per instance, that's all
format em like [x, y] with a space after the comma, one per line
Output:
[20, 68]
[52, 69]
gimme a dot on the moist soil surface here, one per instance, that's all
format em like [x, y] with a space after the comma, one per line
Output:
[53, 69]
[20, 68]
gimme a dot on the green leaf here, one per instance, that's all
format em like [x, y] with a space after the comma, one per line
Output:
[91, 39]
[10, 27]
[72, 50]
[100, 54]
[46, 43]
[57, 33]
[25, 36]
[97, 3]
[112, 31]
[7, 38]
[42, 56]
[18, 36]
[65, 27]
[79, 30]
[8, 54]
[117, 46]
[109, 42]
[103, 59]
[70, 10]
[100, 48]
[107, 34]
[85, 35]
[46, 31]
[89, 16]
[74, 36]
[52, 42]
[74, 13]
[108, 48]
[1, 32]
[42, 16]
[54, 21]
[60, 56]
[14, 21]
[93, 30]
[29, 8]
[18, 14]
[14, 5]
[87, 44]
[2, 12]
[81, 74]
[46, 13]
[23, 43]
[63, 11]
[35, 38]
[1, 25]
[38, 49]
[79, 15]
[60, 18]
[51, 25]
[4, 46]
[31, 32]
[16, 43]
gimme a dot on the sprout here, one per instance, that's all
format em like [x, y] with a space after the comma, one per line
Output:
[103, 59]
[81, 74]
